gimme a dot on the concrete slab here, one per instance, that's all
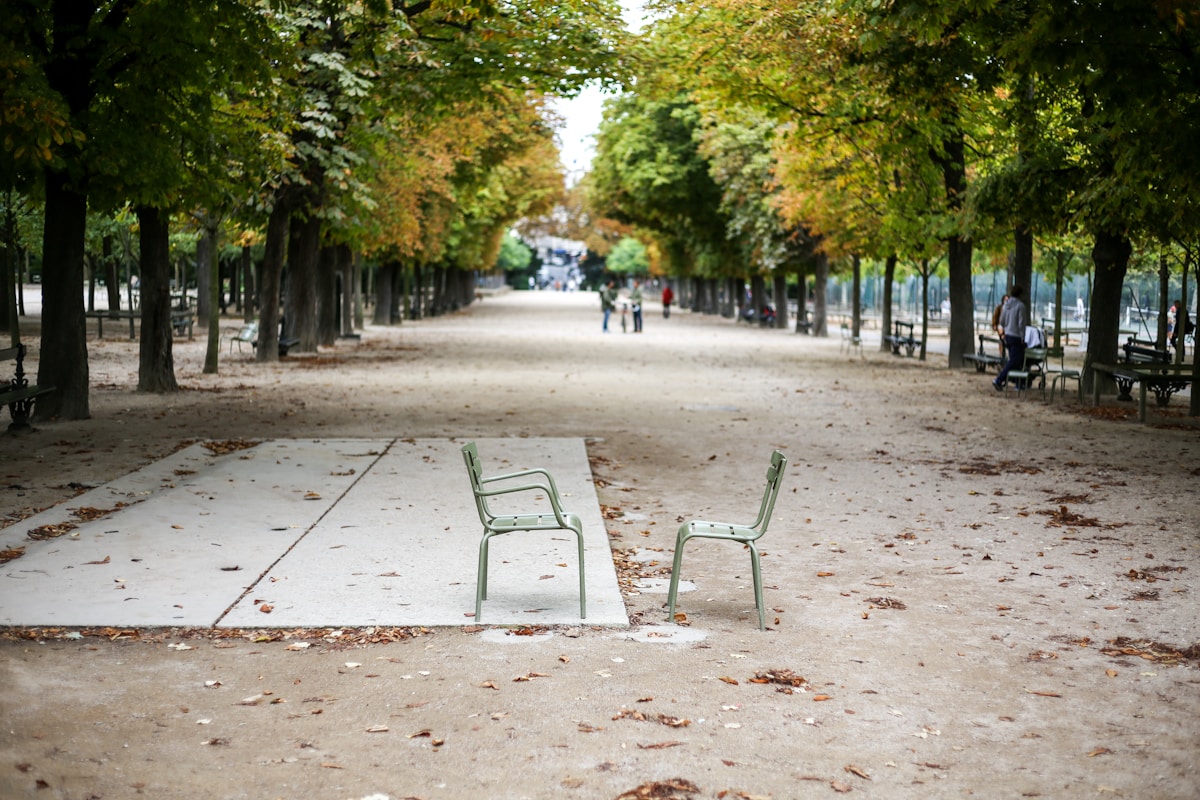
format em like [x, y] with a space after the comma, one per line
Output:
[308, 533]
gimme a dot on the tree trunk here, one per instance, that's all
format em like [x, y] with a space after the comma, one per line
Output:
[212, 268]
[156, 363]
[1194, 404]
[112, 274]
[801, 299]
[924, 307]
[1022, 264]
[270, 273]
[758, 296]
[820, 324]
[885, 313]
[385, 275]
[779, 289]
[301, 299]
[356, 282]
[249, 295]
[327, 295]
[1164, 298]
[206, 253]
[63, 360]
[856, 300]
[1110, 254]
[962, 299]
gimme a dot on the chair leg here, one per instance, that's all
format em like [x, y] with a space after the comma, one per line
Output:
[481, 578]
[674, 590]
[756, 568]
[582, 590]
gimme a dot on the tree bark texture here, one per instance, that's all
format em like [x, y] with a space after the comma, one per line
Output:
[327, 296]
[212, 267]
[270, 275]
[779, 290]
[249, 295]
[1110, 254]
[856, 298]
[301, 295]
[385, 275]
[820, 320]
[63, 360]
[156, 363]
[206, 250]
[885, 319]
[958, 257]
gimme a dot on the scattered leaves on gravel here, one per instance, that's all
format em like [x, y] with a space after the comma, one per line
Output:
[672, 789]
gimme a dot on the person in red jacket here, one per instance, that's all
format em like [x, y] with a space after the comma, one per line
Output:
[667, 298]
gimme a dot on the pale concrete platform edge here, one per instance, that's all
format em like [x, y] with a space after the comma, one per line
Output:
[310, 533]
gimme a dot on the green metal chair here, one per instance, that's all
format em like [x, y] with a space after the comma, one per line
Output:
[1031, 370]
[1062, 373]
[743, 534]
[498, 524]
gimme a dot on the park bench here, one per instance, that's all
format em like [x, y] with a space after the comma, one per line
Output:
[17, 394]
[113, 314]
[991, 353]
[285, 343]
[182, 321]
[1138, 353]
[902, 336]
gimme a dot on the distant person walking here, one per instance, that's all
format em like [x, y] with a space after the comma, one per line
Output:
[667, 298]
[1177, 320]
[608, 302]
[1014, 318]
[635, 300]
[996, 329]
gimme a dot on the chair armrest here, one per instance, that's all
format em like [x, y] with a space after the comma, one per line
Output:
[551, 495]
[525, 473]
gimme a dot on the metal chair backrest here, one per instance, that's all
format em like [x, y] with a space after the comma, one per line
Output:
[475, 473]
[774, 478]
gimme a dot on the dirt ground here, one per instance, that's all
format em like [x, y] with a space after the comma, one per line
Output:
[968, 595]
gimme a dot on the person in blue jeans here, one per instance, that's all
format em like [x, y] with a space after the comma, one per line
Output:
[608, 302]
[1014, 318]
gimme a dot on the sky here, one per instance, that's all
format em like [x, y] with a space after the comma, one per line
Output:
[582, 113]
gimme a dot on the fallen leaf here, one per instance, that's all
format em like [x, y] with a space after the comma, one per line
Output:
[1099, 751]
[420, 734]
[843, 788]
[817, 698]
[726, 679]
[859, 771]
[660, 789]
[660, 745]
[266, 609]
[379, 729]
[252, 700]
[824, 574]
[489, 685]
[105, 560]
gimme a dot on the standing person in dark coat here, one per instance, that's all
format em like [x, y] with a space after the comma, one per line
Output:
[1014, 319]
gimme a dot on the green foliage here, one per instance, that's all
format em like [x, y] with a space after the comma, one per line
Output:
[628, 257]
[514, 254]
[649, 172]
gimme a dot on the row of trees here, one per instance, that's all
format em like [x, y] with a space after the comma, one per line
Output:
[409, 132]
[781, 135]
